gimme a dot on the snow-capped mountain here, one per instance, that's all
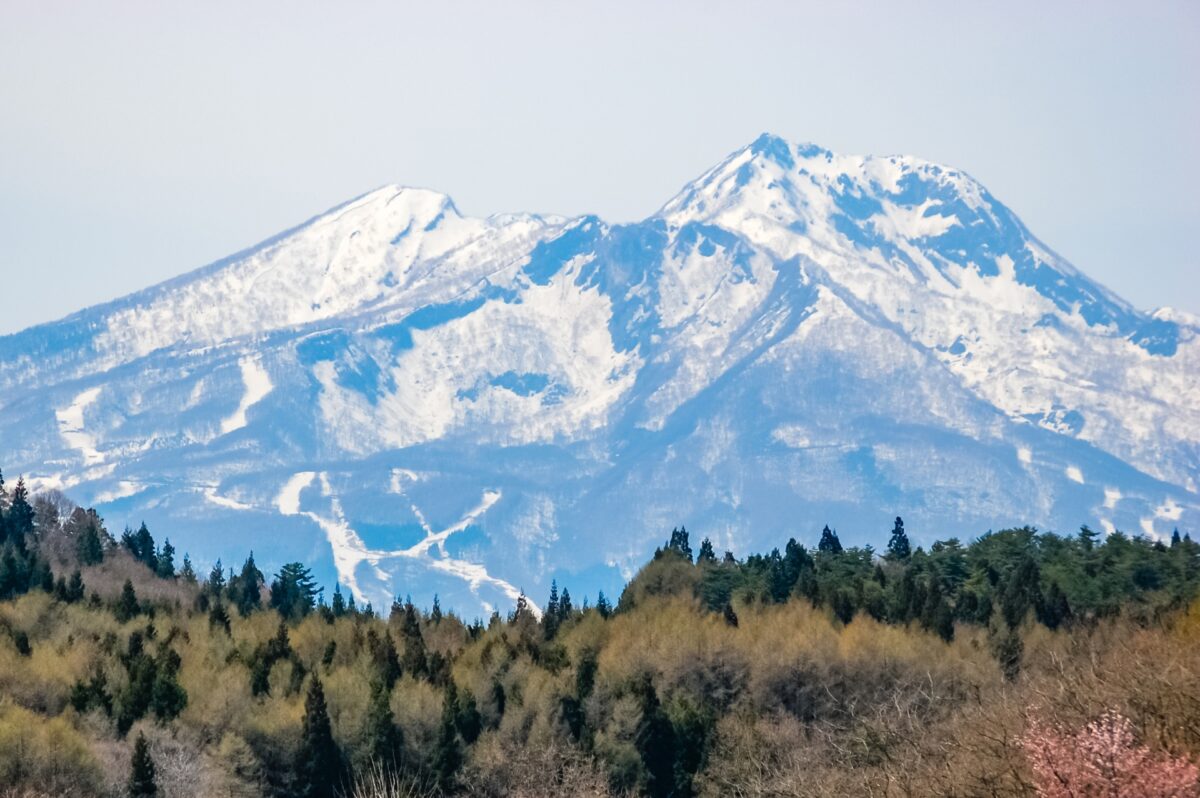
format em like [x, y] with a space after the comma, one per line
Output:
[417, 402]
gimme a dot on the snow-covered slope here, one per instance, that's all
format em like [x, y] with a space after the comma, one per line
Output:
[415, 401]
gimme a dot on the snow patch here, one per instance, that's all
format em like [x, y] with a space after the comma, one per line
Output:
[71, 427]
[288, 500]
[123, 489]
[1111, 497]
[1169, 510]
[258, 385]
[211, 494]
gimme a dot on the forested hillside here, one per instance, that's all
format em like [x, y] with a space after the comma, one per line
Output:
[1008, 665]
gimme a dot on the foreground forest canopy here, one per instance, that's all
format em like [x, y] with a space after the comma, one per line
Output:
[1021, 663]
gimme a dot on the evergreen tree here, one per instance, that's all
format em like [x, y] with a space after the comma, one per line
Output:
[1054, 609]
[679, 543]
[602, 605]
[293, 591]
[75, 589]
[448, 757]
[248, 595]
[414, 661]
[898, 547]
[384, 740]
[829, 543]
[142, 547]
[468, 721]
[42, 577]
[1175, 539]
[566, 610]
[218, 618]
[550, 616]
[1021, 592]
[706, 556]
[168, 698]
[165, 561]
[318, 761]
[216, 580]
[127, 604]
[88, 546]
[1008, 649]
[187, 573]
[655, 743]
[383, 656]
[141, 771]
[435, 614]
[339, 602]
[19, 518]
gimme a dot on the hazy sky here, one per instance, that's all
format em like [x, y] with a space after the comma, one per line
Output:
[141, 140]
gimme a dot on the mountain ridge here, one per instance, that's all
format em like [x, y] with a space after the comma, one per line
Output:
[793, 337]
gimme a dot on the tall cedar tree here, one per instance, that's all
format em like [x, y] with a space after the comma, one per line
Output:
[338, 606]
[550, 616]
[127, 604]
[249, 587]
[385, 742]
[898, 547]
[88, 546]
[141, 771]
[655, 742]
[829, 542]
[448, 756]
[318, 761]
[165, 562]
[414, 660]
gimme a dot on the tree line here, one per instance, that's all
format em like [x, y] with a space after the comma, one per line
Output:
[426, 699]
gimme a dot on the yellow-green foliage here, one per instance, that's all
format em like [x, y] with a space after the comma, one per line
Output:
[784, 698]
[46, 754]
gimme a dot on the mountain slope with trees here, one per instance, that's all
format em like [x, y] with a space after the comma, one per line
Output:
[818, 670]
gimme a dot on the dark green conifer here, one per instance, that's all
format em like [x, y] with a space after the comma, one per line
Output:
[415, 659]
[187, 573]
[602, 605]
[898, 547]
[318, 761]
[127, 604]
[468, 721]
[168, 698]
[216, 580]
[218, 618]
[75, 589]
[448, 757]
[249, 587]
[655, 743]
[294, 591]
[165, 561]
[829, 543]
[141, 771]
[384, 741]
[88, 546]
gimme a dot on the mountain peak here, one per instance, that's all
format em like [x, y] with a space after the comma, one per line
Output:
[452, 402]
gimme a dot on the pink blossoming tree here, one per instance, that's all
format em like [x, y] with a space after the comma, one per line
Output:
[1103, 760]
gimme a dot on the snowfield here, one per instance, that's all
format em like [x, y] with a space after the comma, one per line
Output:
[419, 402]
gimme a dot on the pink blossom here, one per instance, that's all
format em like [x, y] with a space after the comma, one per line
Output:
[1103, 760]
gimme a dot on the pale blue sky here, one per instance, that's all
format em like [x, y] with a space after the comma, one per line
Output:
[141, 140]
